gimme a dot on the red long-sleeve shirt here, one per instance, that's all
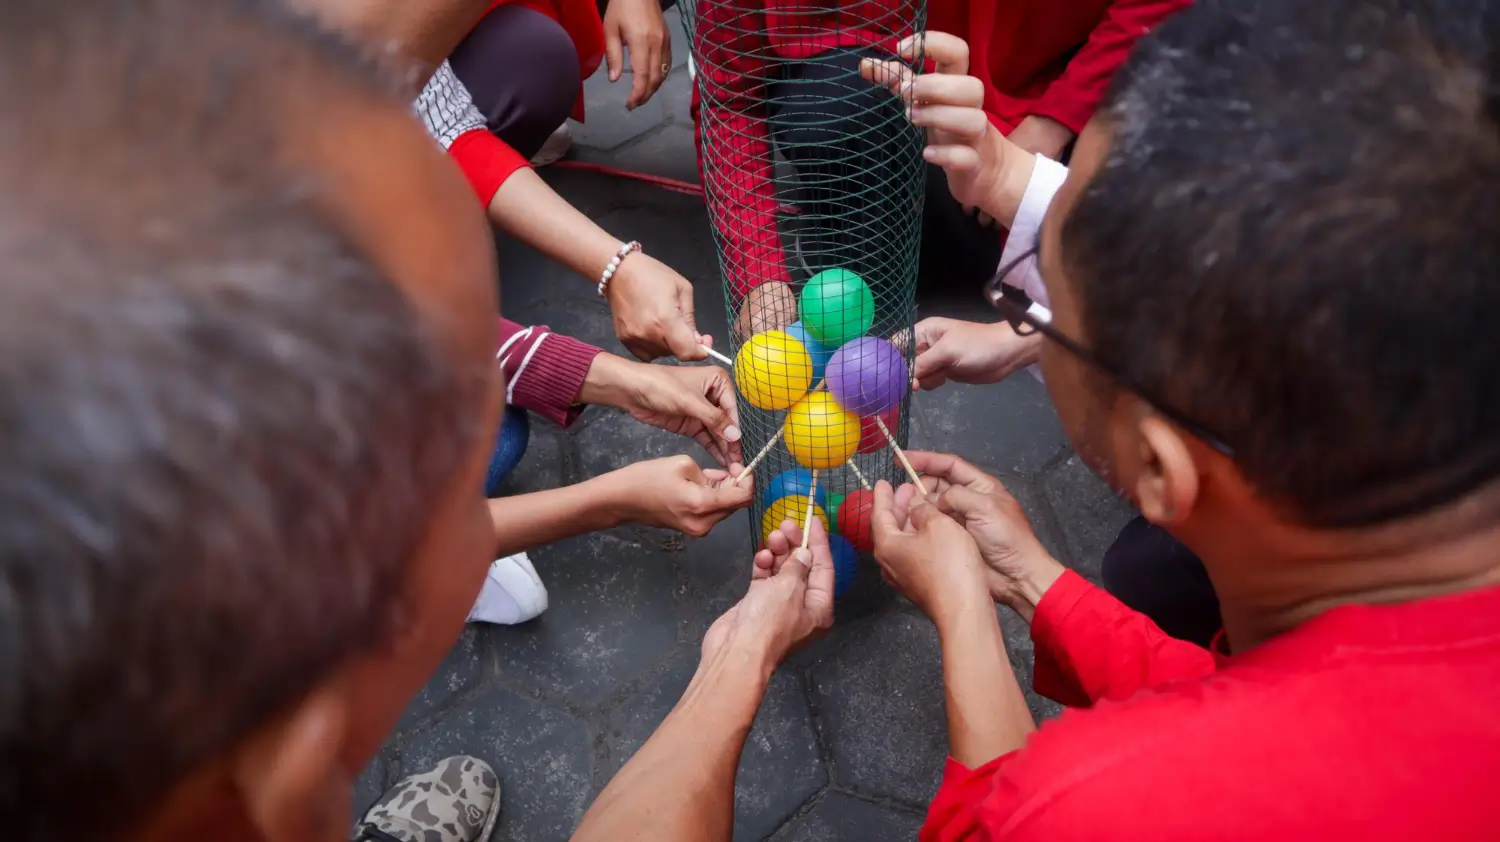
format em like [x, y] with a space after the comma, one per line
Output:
[1367, 723]
[1052, 58]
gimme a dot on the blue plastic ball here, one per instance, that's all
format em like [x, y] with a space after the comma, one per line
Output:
[794, 483]
[815, 349]
[845, 563]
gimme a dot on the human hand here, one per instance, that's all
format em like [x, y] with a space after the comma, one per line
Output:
[693, 401]
[1019, 568]
[1042, 136]
[637, 25]
[790, 598]
[925, 554]
[769, 306]
[653, 310]
[949, 104]
[674, 493]
[970, 352]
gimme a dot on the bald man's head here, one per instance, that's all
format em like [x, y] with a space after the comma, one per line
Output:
[243, 404]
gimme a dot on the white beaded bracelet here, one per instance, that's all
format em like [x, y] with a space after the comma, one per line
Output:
[614, 264]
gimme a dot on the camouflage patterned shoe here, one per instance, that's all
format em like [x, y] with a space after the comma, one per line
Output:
[458, 801]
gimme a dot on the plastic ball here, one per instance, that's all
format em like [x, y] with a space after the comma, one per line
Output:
[788, 508]
[836, 306]
[772, 370]
[820, 433]
[868, 376]
[794, 483]
[871, 438]
[845, 564]
[854, 519]
[832, 506]
[817, 351]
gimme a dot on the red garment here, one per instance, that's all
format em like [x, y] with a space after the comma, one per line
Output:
[1367, 723]
[487, 161]
[1048, 57]
[544, 371]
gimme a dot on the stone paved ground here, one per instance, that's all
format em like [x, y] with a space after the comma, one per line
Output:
[850, 742]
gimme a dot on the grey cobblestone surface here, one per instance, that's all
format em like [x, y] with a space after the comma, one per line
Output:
[849, 744]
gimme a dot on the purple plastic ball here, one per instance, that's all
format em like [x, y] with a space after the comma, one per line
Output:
[868, 376]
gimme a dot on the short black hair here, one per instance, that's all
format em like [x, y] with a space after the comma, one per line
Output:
[224, 431]
[1295, 240]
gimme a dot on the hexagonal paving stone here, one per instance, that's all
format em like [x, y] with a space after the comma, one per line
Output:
[459, 670]
[844, 818]
[1090, 515]
[610, 618]
[880, 701]
[610, 125]
[780, 767]
[542, 756]
[1010, 426]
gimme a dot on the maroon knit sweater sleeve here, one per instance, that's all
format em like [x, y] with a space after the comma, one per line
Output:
[544, 371]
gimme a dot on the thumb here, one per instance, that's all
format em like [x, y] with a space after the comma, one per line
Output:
[801, 569]
[931, 331]
[924, 513]
[963, 502]
[614, 54]
[932, 365]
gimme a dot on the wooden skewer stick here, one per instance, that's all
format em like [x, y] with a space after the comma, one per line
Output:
[860, 474]
[812, 497]
[750, 468]
[718, 356]
[900, 454]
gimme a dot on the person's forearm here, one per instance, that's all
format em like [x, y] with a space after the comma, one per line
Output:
[527, 208]
[987, 712]
[1004, 202]
[680, 786]
[526, 521]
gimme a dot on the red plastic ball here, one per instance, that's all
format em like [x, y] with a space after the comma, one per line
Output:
[870, 437]
[854, 519]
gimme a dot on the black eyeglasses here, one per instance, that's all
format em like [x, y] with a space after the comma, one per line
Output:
[1027, 317]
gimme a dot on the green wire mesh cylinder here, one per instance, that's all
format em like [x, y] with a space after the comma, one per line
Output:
[810, 173]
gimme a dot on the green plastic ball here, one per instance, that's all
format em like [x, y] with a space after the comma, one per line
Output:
[836, 307]
[834, 501]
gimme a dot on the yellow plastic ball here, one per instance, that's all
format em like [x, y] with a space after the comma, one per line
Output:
[773, 370]
[820, 433]
[789, 508]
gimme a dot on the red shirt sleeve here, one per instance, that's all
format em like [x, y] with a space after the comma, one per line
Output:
[1073, 98]
[1091, 647]
[487, 161]
[544, 371]
[732, 134]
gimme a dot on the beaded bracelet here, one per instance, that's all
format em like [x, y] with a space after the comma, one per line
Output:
[614, 264]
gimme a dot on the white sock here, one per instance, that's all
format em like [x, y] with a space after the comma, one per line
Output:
[512, 593]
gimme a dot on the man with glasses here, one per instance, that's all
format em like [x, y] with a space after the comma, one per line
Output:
[1266, 316]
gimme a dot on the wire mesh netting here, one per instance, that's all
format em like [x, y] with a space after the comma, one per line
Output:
[814, 182]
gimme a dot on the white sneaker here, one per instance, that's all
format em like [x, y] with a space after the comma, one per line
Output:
[512, 593]
[555, 148]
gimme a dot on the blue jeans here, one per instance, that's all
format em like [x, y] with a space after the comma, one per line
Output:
[510, 446]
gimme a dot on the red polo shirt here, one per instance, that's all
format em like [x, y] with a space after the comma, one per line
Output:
[1367, 723]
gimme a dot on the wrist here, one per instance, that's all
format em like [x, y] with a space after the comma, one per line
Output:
[607, 381]
[1032, 586]
[962, 607]
[614, 503]
[1016, 167]
[743, 657]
